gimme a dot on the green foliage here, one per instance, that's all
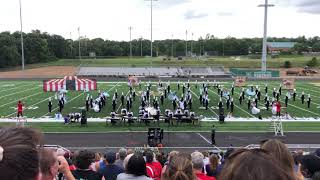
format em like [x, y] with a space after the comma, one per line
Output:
[313, 62]
[287, 64]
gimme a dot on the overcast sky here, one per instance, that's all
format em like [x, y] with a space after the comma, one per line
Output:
[110, 19]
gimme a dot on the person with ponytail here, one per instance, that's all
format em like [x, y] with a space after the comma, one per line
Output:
[179, 168]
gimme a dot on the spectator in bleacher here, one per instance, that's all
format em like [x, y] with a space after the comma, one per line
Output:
[18, 154]
[223, 160]
[97, 159]
[122, 154]
[255, 164]
[53, 165]
[83, 160]
[281, 153]
[211, 168]
[154, 168]
[110, 171]
[197, 164]
[135, 168]
[179, 168]
[310, 167]
[171, 155]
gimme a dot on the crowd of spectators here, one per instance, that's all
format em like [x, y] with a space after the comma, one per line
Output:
[22, 157]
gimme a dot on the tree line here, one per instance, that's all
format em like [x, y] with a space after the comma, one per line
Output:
[43, 47]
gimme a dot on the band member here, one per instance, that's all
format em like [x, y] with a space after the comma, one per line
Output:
[232, 89]
[259, 94]
[309, 100]
[122, 99]
[231, 105]
[181, 104]
[200, 98]
[267, 104]
[242, 94]
[91, 102]
[249, 103]
[278, 105]
[116, 94]
[128, 103]
[280, 89]
[161, 99]
[206, 102]
[266, 89]
[50, 105]
[20, 109]
[134, 95]
[130, 100]
[114, 103]
[286, 100]
[165, 94]
[178, 86]
[278, 95]
[168, 88]
[220, 104]
[190, 104]
[183, 88]
[274, 92]
[213, 135]
[265, 98]
[302, 97]
[60, 103]
[174, 104]
[240, 99]
[256, 101]
[294, 94]
[87, 104]
[228, 103]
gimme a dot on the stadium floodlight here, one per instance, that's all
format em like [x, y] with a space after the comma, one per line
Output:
[186, 43]
[172, 45]
[22, 48]
[130, 29]
[79, 43]
[151, 27]
[264, 46]
[141, 38]
[191, 43]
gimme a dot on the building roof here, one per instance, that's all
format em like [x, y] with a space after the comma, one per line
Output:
[281, 44]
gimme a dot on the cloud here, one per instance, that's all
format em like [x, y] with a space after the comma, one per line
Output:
[171, 3]
[225, 14]
[191, 14]
[310, 6]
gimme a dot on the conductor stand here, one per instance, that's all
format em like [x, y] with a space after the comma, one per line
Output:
[21, 121]
[277, 126]
[155, 136]
[221, 115]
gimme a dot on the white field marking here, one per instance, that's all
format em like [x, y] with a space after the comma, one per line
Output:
[200, 104]
[21, 99]
[204, 138]
[7, 89]
[76, 98]
[235, 105]
[121, 103]
[32, 105]
[18, 92]
[300, 108]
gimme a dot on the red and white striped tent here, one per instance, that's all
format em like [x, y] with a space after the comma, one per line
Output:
[72, 83]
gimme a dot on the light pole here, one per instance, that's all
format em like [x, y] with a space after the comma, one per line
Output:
[22, 48]
[151, 28]
[191, 44]
[172, 45]
[71, 45]
[186, 43]
[264, 47]
[141, 45]
[130, 29]
[79, 43]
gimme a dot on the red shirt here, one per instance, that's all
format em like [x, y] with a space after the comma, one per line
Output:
[154, 170]
[202, 176]
[278, 105]
[20, 107]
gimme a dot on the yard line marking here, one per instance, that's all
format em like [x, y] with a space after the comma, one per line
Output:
[208, 141]
[235, 105]
[18, 87]
[33, 105]
[74, 99]
[21, 99]
[18, 92]
[209, 107]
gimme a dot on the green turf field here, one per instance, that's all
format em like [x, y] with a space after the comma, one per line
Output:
[35, 100]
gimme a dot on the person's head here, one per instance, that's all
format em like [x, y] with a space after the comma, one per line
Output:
[126, 160]
[49, 164]
[97, 157]
[179, 168]
[136, 165]
[149, 156]
[172, 154]
[122, 153]
[19, 157]
[310, 164]
[214, 161]
[84, 159]
[280, 152]
[255, 164]
[197, 160]
[110, 157]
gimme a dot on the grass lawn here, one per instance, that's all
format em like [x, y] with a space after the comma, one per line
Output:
[228, 62]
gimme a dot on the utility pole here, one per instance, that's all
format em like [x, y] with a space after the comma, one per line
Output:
[130, 29]
[151, 46]
[141, 46]
[264, 47]
[191, 44]
[71, 45]
[79, 43]
[186, 43]
[22, 48]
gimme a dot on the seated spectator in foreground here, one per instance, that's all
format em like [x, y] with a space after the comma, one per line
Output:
[83, 161]
[179, 168]
[19, 157]
[135, 168]
[154, 168]
[171, 155]
[122, 155]
[281, 153]
[224, 159]
[310, 167]
[211, 168]
[197, 164]
[255, 164]
[49, 164]
[110, 171]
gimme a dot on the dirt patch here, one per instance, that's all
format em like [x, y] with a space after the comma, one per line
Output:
[43, 72]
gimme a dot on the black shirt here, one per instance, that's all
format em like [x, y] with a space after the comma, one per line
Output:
[86, 175]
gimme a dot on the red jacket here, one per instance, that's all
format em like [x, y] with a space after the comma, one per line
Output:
[278, 105]
[202, 176]
[20, 107]
[154, 170]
